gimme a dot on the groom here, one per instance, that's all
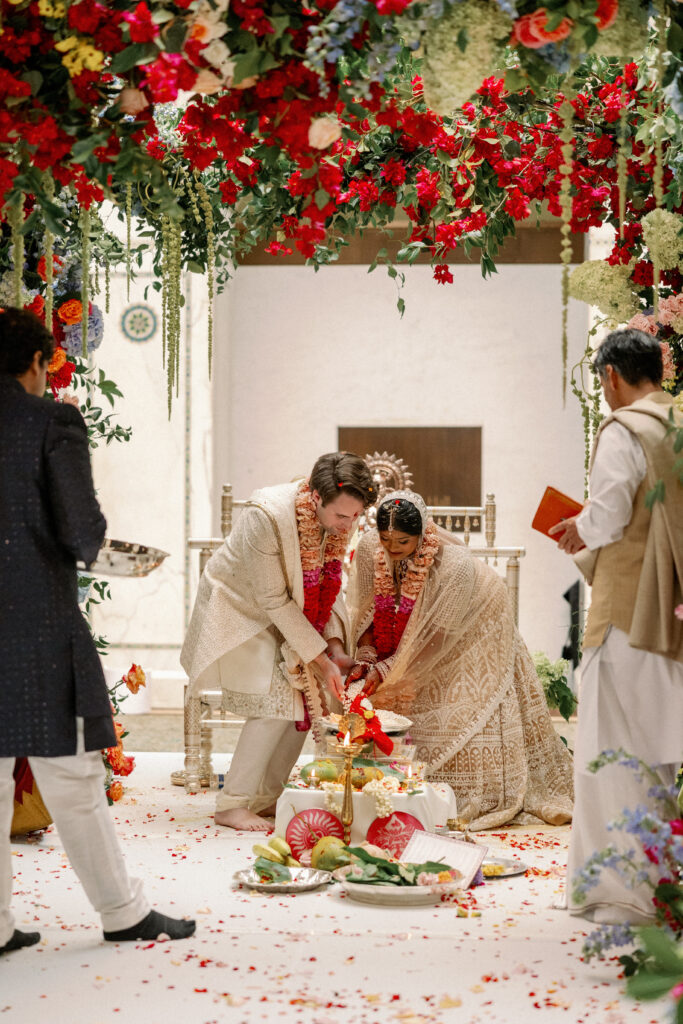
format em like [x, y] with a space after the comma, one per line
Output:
[269, 617]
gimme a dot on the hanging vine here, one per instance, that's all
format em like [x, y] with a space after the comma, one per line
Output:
[15, 216]
[210, 262]
[566, 112]
[85, 277]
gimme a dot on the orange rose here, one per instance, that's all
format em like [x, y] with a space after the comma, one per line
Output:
[134, 678]
[70, 312]
[115, 791]
[57, 361]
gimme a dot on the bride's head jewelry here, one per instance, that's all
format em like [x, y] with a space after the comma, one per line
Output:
[393, 501]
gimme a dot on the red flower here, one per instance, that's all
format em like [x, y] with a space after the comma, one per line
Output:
[277, 249]
[442, 275]
[86, 17]
[606, 13]
[393, 172]
[642, 274]
[142, 28]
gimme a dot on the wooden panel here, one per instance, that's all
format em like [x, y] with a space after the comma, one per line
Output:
[529, 245]
[445, 461]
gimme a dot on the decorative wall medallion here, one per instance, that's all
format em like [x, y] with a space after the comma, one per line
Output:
[139, 323]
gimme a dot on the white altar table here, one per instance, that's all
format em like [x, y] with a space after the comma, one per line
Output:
[428, 806]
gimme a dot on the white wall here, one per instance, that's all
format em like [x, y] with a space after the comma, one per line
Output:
[309, 352]
[298, 354]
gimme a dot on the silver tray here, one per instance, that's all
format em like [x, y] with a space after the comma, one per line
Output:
[510, 867]
[303, 879]
[121, 558]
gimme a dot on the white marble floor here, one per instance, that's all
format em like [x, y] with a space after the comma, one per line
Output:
[314, 958]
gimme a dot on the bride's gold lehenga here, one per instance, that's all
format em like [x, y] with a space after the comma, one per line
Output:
[462, 673]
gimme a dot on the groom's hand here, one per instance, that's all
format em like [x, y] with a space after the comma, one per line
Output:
[331, 676]
[338, 655]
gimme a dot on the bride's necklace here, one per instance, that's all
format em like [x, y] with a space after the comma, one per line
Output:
[400, 571]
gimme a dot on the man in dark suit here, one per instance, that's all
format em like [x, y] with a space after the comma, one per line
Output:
[54, 705]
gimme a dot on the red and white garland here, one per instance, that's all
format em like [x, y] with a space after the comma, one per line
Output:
[389, 621]
[322, 572]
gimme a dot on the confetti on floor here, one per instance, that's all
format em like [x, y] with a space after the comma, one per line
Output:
[314, 958]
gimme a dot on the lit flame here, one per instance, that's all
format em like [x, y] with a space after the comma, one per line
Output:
[347, 740]
[409, 773]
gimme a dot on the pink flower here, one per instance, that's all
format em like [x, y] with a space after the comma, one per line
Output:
[677, 991]
[642, 322]
[142, 28]
[670, 309]
[678, 611]
[669, 369]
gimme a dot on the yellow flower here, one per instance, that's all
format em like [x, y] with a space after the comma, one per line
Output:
[47, 9]
[73, 63]
[91, 57]
[66, 44]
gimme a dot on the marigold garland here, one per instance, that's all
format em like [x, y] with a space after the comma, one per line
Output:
[390, 621]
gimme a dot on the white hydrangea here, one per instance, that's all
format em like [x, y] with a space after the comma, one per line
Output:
[606, 287]
[662, 236]
[450, 76]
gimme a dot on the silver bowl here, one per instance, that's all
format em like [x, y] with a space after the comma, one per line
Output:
[121, 558]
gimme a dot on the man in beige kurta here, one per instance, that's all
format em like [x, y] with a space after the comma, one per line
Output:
[249, 636]
[632, 670]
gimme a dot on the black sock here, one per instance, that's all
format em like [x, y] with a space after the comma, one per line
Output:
[19, 940]
[153, 927]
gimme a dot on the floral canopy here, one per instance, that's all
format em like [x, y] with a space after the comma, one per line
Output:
[219, 126]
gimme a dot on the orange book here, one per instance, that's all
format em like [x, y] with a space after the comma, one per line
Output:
[555, 506]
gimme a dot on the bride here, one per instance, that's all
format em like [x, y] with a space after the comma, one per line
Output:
[436, 641]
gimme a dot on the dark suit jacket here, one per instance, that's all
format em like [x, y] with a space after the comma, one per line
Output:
[50, 671]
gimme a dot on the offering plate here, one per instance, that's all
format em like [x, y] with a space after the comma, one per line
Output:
[509, 867]
[303, 879]
[399, 895]
[122, 558]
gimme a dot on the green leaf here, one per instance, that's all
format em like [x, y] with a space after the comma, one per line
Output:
[462, 40]
[174, 36]
[136, 53]
[656, 493]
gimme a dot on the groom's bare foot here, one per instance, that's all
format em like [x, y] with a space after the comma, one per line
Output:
[243, 819]
[269, 812]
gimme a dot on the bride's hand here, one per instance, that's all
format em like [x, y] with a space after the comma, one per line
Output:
[372, 681]
[358, 671]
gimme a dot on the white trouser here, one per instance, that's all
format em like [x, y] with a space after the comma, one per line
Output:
[634, 700]
[264, 756]
[72, 789]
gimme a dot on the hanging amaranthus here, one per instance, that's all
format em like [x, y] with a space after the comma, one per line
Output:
[658, 170]
[49, 186]
[171, 301]
[210, 261]
[566, 112]
[129, 218]
[107, 283]
[15, 216]
[85, 278]
[164, 286]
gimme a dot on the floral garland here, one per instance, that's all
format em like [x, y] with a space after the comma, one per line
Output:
[322, 571]
[389, 621]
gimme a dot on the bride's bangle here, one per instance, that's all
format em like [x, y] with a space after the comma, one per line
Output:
[367, 654]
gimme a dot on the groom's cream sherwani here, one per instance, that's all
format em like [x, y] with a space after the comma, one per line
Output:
[248, 613]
